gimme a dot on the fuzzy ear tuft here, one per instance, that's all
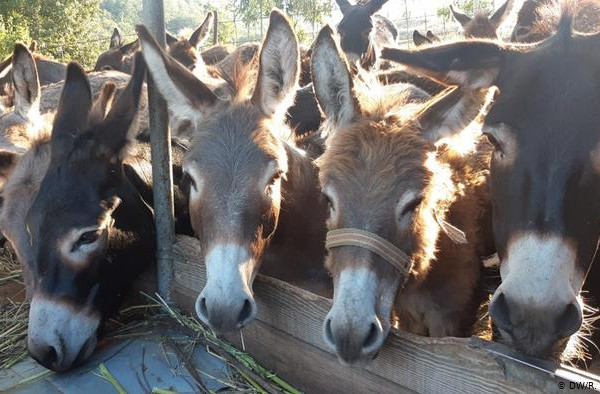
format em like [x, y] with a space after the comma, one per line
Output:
[103, 103]
[26, 81]
[501, 13]
[332, 80]
[279, 67]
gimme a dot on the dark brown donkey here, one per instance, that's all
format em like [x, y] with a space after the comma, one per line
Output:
[545, 174]
[387, 184]
[185, 50]
[363, 33]
[119, 56]
[420, 39]
[481, 25]
[251, 186]
[88, 232]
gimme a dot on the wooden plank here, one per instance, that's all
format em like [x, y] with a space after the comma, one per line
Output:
[424, 365]
[302, 365]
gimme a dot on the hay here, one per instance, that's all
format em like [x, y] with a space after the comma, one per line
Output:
[14, 311]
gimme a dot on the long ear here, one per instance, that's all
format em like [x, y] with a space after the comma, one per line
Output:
[473, 64]
[115, 40]
[119, 119]
[171, 39]
[375, 5]
[103, 103]
[419, 39]
[33, 46]
[432, 37]
[201, 34]
[344, 6]
[73, 109]
[25, 81]
[500, 14]
[449, 112]
[185, 94]
[332, 80]
[128, 48]
[5, 66]
[460, 17]
[278, 68]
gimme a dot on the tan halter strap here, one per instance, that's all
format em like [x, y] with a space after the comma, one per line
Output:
[373, 242]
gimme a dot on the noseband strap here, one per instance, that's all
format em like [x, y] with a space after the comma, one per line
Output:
[373, 242]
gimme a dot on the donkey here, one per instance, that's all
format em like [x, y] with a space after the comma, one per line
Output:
[481, 26]
[392, 252]
[420, 39]
[537, 19]
[250, 183]
[363, 32]
[49, 71]
[119, 55]
[545, 177]
[185, 50]
[81, 229]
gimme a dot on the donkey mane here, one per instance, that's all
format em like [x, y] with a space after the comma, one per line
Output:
[560, 20]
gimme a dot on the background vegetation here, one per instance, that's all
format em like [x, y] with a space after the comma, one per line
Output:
[80, 29]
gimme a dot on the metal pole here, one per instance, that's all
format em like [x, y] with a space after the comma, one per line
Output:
[160, 137]
[216, 27]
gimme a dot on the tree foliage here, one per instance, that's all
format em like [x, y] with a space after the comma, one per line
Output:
[80, 29]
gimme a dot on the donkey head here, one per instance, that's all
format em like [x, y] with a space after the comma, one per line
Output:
[545, 178]
[185, 50]
[119, 56]
[235, 166]
[90, 232]
[356, 29]
[379, 175]
[481, 26]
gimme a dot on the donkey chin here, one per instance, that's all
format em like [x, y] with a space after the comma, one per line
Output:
[61, 334]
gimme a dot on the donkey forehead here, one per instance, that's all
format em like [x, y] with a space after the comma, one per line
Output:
[239, 140]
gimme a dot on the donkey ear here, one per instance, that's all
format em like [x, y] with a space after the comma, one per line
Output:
[460, 17]
[375, 5]
[419, 39]
[473, 64]
[344, 6]
[73, 109]
[33, 46]
[201, 34]
[449, 112]
[102, 104]
[432, 37]
[5, 66]
[25, 81]
[500, 14]
[115, 40]
[278, 68]
[185, 94]
[118, 121]
[332, 80]
[171, 39]
[128, 48]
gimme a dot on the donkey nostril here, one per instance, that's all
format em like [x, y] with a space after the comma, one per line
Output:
[328, 332]
[373, 336]
[500, 313]
[246, 312]
[570, 321]
[201, 309]
[48, 357]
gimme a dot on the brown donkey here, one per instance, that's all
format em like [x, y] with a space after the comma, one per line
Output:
[250, 184]
[392, 252]
[545, 174]
[481, 26]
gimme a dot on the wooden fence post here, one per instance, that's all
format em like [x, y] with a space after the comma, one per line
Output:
[160, 142]
[216, 27]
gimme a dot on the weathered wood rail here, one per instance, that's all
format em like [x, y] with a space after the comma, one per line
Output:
[286, 337]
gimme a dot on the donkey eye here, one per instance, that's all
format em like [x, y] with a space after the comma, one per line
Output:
[329, 202]
[87, 238]
[411, 206]
[498, 149]
[274, 178]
